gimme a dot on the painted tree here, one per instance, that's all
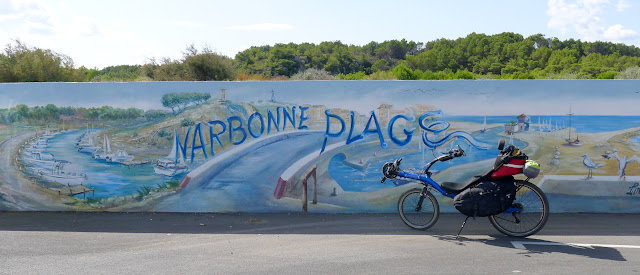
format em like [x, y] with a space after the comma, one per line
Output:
[172, 101]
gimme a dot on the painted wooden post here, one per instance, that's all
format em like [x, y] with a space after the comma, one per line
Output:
[304, 196]
[315, 186]
[305, 185]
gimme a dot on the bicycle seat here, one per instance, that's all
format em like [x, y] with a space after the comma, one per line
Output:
[457, 187]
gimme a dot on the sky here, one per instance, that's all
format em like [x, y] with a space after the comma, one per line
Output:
[96, 34]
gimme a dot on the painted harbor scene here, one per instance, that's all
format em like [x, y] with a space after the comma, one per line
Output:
[314, 146]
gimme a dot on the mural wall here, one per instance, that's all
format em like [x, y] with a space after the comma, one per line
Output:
[315, 146]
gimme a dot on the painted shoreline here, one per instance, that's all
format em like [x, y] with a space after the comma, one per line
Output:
[27, 195]
[19, 192]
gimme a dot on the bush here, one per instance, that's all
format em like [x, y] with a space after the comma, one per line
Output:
[608, 75]
[464, 74]
[402, 72]
[382, 75]
[164, 133]
[629, 73]
[313, 74]
[187, 122]
[353, 76]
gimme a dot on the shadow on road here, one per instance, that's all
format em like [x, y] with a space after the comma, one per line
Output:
[595, 252]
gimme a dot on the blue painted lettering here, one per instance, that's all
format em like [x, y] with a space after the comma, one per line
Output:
[291, 118]
[408, 133]
[236, 129]
[213, 136]
[197, 133]
[356, 138]
[634, 189]
[303, 118]
[377, 130]
[328, 133]
[270, 119]
[183, 148]
[254, 115]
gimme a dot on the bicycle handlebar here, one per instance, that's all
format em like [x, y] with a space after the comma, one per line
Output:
[453, 153]
[391, 169]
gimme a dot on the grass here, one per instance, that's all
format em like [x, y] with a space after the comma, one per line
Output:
[142, 192]
[8, 131]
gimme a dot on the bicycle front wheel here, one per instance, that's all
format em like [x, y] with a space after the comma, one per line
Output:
[418, 213]
[533, 214]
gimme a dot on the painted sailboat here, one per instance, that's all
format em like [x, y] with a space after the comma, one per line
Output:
[87, 142]
[173, 164]
[63, 129]
[484, 125]
[49, 134]
[88, 148]
[106, 149]
[572, 142]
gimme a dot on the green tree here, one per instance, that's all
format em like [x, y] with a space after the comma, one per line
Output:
[171, 100]
[207, 65]
[402, 72]
[22, 110]
[20, 63]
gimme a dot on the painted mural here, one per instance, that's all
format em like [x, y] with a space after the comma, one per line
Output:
[315, 146]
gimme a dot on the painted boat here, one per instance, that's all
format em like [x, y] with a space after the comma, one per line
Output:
[120, 156]
[106, 150]
[173, 164]
[57, 174]
[39, 159]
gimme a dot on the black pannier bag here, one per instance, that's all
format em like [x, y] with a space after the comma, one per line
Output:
[490, 197]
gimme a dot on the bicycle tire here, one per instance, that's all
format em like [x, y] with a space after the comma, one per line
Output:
[426, 217]
[533, 216]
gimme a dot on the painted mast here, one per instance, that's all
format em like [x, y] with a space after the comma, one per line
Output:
[569, 114]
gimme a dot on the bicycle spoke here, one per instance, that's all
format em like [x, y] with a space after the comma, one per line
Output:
[422, 219]
[532, 217]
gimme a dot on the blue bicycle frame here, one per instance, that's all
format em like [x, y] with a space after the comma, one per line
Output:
[427, 181]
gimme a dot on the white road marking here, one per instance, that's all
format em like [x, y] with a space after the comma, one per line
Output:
[520, 245]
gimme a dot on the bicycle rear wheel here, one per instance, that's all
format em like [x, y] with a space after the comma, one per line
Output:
[416, 216]
[534, 211]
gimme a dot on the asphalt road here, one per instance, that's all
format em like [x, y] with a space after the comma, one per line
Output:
[185, 243]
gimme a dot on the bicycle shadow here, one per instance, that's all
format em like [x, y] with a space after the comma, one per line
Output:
[543, 247]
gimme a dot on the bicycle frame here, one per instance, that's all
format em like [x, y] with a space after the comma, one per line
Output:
[526, 203]
[428, 181]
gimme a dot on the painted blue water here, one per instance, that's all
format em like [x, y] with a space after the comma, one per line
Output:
[108, 179]
[583, 124]
[636, 140]
[368, 180]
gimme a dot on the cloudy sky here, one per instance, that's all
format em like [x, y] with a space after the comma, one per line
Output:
[103, 33]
